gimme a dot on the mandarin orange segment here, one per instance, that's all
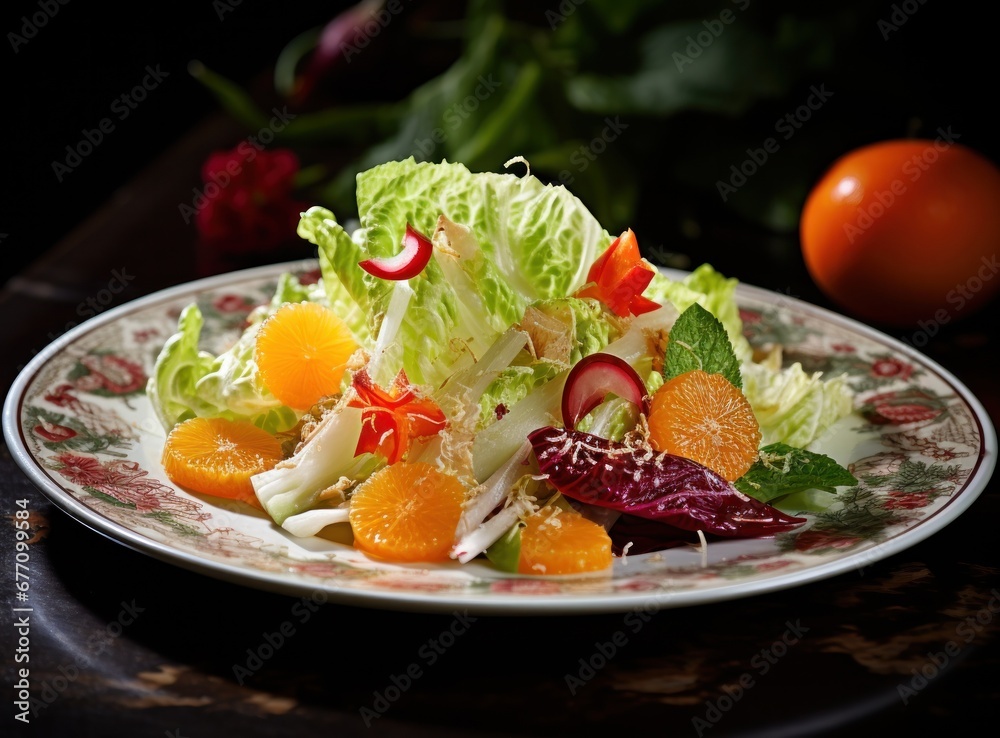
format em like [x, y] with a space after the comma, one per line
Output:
[301, 353]
[217, 457]
[407, 512]
[703, 417]
[557, 541]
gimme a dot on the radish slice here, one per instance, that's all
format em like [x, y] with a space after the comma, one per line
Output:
[592, 379]
[409, 262]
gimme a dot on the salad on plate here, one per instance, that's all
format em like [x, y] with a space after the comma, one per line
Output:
[482, 370]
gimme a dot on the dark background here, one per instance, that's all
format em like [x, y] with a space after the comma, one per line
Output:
[939, 70]
[935, 71]
[66, 78]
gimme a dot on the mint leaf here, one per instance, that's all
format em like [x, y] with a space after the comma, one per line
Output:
[782, 470]
[698, 340]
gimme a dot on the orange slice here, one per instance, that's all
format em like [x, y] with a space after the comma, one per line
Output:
[216, 456]
[558, 541]
[301, 353]
[407, 512]
[703, 417]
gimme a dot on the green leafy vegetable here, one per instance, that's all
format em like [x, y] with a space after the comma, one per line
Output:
[516, 220]
[714, 292]
[512, 386]
[699, 341]
[792, 406]
[187, 382]
[783, 470]
[493, 254]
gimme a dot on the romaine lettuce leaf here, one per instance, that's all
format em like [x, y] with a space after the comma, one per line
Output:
[541, 237]
[501, 241]
[513, 385]
[350, 291]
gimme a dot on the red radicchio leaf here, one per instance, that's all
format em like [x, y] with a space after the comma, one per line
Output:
[662, 487]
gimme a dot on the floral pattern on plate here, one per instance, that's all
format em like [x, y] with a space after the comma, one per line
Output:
[92, 443]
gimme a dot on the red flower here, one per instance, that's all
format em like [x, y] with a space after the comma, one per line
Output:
[248, 206]
[903, 413]
[123, 480]
[524, 587]
[53, 431]
[843, 348]
[911, 405]
[85, 471]
[773, 565]
[899, 500]
[891, 367]
[750, 316]
[824, 541]
[113, 374]
[231, 304]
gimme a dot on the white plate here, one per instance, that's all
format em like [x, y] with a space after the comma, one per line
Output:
[79, 424]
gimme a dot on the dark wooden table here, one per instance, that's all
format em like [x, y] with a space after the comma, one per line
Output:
[122, 644]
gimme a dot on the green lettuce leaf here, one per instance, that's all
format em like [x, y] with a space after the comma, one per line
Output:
[187, 382]
[512, 385]
[494, 238]
[541, 237]
[792, 406]
[349, 291]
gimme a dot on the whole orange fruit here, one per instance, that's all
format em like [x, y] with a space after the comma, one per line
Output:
[906, 232]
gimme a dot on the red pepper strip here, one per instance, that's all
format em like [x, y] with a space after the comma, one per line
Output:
[371, 394]
[392, 419]
[618, 277]
[382, 433]
[409, 262]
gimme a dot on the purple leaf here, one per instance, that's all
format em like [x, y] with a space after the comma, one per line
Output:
[662, 487]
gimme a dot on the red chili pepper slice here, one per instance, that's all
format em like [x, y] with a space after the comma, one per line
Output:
[392, 419]
[618, 277]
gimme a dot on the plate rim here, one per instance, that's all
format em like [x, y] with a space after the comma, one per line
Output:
[487, 603]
